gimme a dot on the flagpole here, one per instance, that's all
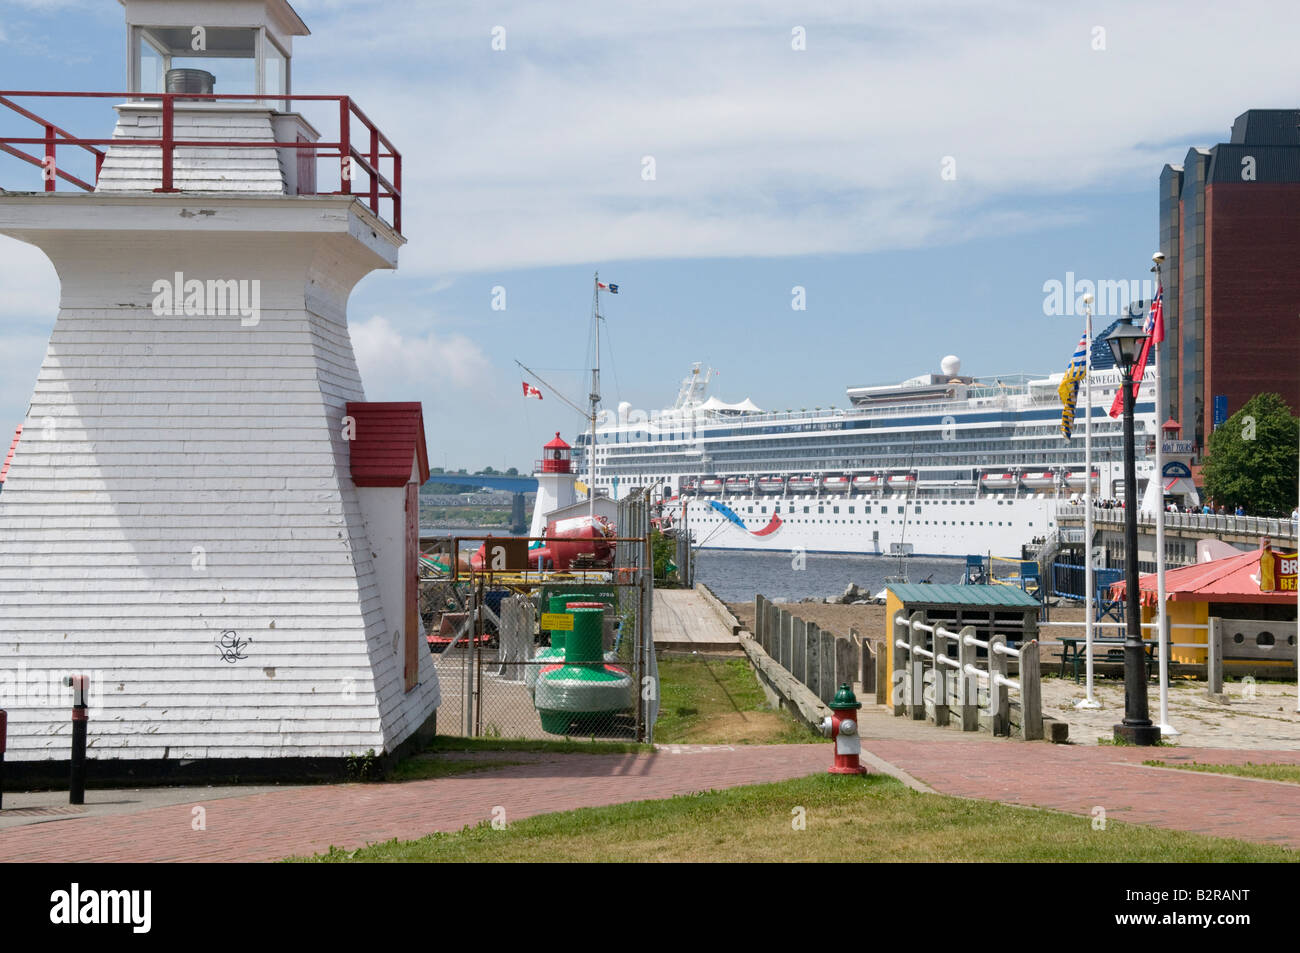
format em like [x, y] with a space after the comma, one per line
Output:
[595, 399]
[1162, 616]
[1088, 584]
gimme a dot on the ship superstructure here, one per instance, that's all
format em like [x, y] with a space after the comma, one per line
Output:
[940, 464]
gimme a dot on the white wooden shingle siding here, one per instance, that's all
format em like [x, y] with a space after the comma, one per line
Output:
[217, 169]
[149, 436]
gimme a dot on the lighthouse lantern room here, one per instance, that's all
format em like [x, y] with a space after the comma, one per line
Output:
[203, 513]
[556, 483]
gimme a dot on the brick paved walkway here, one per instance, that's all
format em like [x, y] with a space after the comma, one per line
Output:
[275, 824]
[1077, 779]
[301, 821]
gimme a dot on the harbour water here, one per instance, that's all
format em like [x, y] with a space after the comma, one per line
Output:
[739, 576]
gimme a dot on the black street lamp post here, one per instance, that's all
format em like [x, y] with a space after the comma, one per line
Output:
[1126, 344]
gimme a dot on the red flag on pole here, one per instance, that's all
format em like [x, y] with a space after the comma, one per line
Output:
[1154, 328]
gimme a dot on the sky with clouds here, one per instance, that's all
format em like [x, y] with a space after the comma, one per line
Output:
[774, 167]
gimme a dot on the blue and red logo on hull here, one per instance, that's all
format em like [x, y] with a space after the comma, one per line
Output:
[773, 525]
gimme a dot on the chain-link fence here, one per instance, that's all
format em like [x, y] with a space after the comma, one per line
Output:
[549, 655]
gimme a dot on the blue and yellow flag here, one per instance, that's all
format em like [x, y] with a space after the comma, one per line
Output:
[1069, 389]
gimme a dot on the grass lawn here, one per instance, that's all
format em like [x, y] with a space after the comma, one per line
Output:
[1269, 772]
[847, 819]
[718, 701]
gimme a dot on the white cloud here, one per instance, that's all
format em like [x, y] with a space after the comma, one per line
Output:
[393, 362]
[532, 156]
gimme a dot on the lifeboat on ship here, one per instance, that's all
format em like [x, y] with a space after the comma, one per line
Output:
[835, 484]
[901, 481]
[687, 488]
[803, 484]
[711, 485]
[738, 484]
[1038, 480]
[998, 481]
[771, 484]
[866, 482]
[1074, 479]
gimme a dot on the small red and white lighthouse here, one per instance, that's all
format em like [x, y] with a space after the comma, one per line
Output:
[556, 483]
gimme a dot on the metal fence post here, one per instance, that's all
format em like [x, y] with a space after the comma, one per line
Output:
[999, 702]
[1031, 691]
[916, 669]
[968, 685]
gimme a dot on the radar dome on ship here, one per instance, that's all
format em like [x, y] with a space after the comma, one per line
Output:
[950, 365]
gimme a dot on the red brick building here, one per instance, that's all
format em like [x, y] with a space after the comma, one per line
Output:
[1230, 232]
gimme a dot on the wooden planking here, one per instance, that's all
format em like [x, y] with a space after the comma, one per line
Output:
[218, 169]
[172, 433]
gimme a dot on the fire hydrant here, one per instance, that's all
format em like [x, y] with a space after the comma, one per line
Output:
[842, 727]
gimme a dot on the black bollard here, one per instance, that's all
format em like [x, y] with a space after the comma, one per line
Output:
[80, 721]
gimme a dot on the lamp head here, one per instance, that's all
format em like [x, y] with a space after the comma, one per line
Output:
[1126, 344]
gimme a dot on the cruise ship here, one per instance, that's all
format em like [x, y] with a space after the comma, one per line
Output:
[939, 465]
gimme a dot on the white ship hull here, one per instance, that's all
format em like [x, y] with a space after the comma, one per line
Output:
[868, 525]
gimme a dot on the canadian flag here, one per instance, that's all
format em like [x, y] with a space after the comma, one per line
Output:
[531, 391]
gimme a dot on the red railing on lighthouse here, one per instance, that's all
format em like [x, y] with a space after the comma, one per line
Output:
[377, 156]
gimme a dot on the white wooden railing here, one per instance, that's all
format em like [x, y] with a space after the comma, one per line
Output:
[957, 683]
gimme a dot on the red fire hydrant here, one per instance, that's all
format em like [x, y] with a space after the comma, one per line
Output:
[842, 726]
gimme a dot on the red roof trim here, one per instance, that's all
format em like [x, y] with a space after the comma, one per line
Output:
[388, 440]
[557, 444]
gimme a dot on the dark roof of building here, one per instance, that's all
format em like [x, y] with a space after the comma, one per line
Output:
[388, 438]
[1267, 127]
[1270, 163]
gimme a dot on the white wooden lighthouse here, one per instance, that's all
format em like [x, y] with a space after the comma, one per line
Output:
[203, 513]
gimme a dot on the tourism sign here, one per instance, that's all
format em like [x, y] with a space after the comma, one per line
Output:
[1277, 571]
[1183, 448]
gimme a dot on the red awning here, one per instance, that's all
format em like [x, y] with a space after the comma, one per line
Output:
[388, 440]
[1231, 579]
